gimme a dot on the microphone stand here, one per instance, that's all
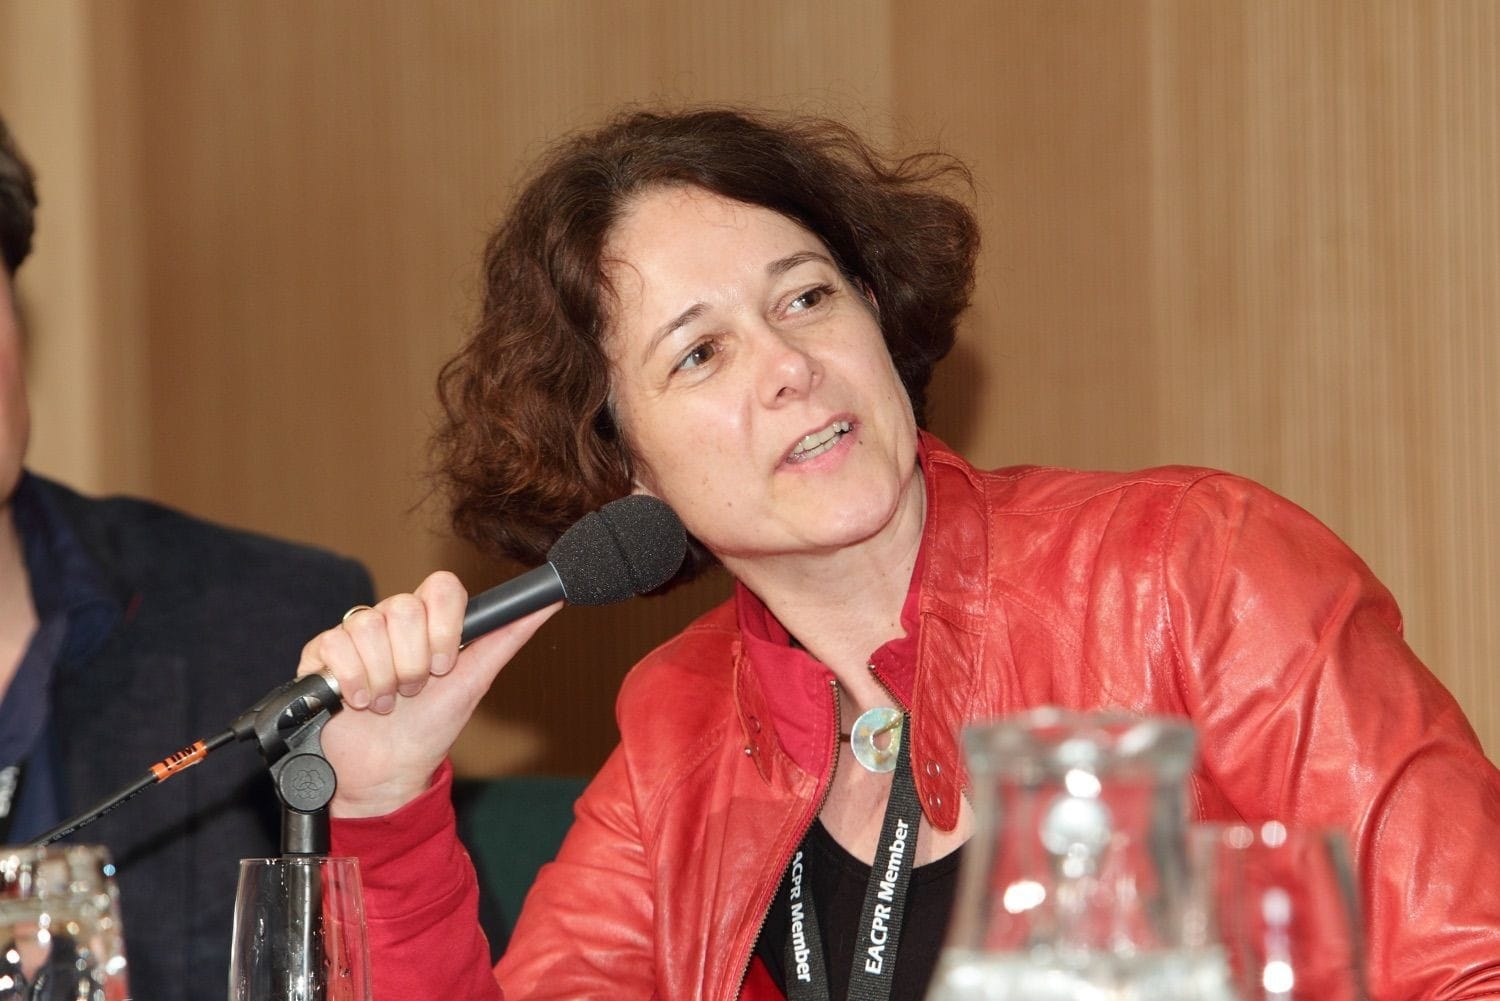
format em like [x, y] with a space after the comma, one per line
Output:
[291, 742]
[287, 724]
[290, 739]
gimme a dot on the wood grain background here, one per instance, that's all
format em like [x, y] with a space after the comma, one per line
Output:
[1263, 236]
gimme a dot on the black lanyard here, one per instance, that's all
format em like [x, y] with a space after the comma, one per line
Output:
[874, 967]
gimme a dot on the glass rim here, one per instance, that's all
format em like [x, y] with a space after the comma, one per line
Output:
[55, 849]
[13, 858]
[271, 860]
[1052, 740]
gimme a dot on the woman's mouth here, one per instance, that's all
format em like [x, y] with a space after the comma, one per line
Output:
[815, 444]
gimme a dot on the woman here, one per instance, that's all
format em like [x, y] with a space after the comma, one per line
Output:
[740, 316]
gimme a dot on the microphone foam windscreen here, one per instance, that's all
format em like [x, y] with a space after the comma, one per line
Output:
[627, 547]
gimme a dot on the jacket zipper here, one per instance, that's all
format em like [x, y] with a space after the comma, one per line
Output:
[833, 753]
[833, 687]
[881, 682]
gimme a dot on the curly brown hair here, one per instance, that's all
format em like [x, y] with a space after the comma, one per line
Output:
[528, 445]
[17, 202]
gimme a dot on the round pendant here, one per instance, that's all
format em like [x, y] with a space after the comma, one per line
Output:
[871, 724]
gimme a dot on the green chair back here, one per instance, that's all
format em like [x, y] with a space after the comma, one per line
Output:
[512, 827]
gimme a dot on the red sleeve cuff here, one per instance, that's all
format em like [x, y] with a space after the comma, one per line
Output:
[396, 850]
[421, 899]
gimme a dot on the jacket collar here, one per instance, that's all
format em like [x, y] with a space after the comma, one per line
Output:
[784, 694]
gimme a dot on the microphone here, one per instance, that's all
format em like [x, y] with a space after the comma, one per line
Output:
[627, 547]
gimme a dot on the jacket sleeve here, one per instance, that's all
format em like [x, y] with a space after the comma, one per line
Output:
[421, 900]
[586, 929]
[1313, 710]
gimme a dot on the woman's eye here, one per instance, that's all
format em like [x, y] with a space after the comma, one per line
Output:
[807, 300]
[700, 355]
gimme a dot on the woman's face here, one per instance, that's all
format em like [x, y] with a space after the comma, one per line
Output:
[751, 381]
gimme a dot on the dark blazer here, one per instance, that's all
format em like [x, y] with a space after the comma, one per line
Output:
[212, 619]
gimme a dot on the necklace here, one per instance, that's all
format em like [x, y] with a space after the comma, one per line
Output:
[873, 723]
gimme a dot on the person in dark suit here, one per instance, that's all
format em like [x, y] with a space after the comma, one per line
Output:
[126, 631]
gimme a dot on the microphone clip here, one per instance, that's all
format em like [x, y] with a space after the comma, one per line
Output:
[288, 727]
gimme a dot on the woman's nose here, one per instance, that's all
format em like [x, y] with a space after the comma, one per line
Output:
[788, 373]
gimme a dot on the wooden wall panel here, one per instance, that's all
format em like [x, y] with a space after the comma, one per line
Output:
[47, 97]
[1255, 235]
[1047, 101]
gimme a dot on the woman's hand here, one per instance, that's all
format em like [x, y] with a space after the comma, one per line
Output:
[406, 688]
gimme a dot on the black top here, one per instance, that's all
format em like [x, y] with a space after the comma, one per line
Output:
[838, 882]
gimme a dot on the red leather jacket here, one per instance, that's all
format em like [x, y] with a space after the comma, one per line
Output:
[1172, 591]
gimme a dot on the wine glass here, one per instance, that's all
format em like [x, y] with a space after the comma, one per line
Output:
[60, 932]
[1283, 905]
[299, 931]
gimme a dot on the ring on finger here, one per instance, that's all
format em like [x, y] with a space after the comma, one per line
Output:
[355, 611]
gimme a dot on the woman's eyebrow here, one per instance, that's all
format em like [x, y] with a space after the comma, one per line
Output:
[676, 323]
[782, 265]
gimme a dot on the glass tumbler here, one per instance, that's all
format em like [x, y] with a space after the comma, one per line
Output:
[299, 931]
[1283, 905]
[60, 933]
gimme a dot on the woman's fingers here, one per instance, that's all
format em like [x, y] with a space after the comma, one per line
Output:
[393, 648]
[406, 623]
[445, 600]
[368, 629]
[400, 660]
[333, 651]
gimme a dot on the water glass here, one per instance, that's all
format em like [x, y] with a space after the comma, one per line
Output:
[60, 932]
[1282, 903]
[299, 931]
